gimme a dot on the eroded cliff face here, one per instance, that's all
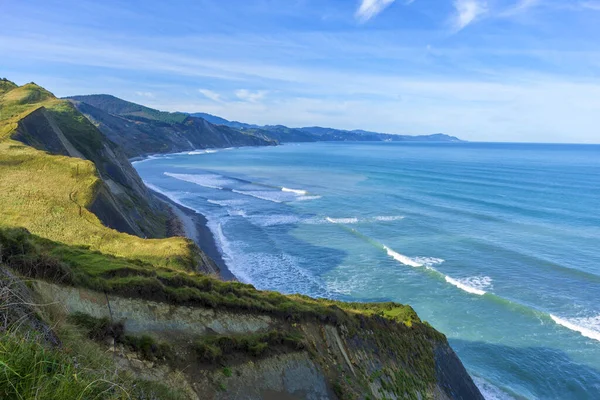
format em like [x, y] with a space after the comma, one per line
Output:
[123, 201]
[376, 360]
[141, 131]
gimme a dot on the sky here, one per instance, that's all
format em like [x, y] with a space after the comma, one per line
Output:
[482, 70]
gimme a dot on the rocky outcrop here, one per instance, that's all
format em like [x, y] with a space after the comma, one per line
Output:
[336, 362]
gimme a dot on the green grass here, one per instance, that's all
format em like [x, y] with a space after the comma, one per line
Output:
[50, 195]
[216, 347]
[117, 106]
[30, 369]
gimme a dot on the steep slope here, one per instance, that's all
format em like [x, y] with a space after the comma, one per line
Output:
[146, 302]
[140, 130]
[63, 181]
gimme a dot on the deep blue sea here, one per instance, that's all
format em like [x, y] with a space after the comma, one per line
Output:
[496, 245]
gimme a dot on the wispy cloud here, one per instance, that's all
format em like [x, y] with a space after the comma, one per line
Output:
[370, 8]
[145, 94]
[520, 7]
[252, 97]
[590, 5]
[467, 11]
[214, 96]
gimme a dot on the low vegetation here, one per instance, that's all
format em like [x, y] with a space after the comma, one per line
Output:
[50, 195]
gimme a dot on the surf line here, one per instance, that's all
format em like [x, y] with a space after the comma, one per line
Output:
[516, 306]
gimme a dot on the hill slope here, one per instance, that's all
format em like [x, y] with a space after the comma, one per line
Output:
[193, 336]
[140, 130]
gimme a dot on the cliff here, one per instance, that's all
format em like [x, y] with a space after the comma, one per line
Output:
[112, 314]
[140, 130]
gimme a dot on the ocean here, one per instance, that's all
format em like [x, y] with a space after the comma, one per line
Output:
[496, 245]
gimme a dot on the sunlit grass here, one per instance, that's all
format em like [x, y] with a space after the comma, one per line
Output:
[49, 195]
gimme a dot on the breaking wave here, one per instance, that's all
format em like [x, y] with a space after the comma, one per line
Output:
[211, 181]
[295, 191]
[474, 285]
[260, 194]
[342, 220]
[588, 327]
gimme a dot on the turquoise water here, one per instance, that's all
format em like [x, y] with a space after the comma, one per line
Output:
[496, 245]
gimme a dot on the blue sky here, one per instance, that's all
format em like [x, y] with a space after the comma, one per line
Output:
[490, 70]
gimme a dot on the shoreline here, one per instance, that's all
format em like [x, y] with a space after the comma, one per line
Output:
[195, 227]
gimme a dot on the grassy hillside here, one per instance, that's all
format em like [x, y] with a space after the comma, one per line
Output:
[51, 195]
[114, 105]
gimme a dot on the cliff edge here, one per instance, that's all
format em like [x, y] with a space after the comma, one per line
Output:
[112, 308]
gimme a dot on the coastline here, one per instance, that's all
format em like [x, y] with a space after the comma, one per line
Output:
[194, 226]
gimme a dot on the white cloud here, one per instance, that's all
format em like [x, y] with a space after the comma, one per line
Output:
[590, 5]
[214, 96]
[519, 7]
[252, 97]
[467, 11]
[370, 8]
[145, 94]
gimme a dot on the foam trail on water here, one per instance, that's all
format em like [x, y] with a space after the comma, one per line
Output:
[489, 391]
[385, 218]
[306, 198]
[464, 284]
[402, 258]
[577, 326]
[342, 220]
[210, 181]
[225, 203]
[295, 191]
[169, 195]
[258, 194]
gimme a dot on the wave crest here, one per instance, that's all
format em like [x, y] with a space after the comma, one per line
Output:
[588, 327]
[472, 285]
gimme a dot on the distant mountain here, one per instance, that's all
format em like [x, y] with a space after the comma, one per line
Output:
[141, 130]
[317, 134]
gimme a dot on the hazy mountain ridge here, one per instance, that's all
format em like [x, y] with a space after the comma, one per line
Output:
[317, 133]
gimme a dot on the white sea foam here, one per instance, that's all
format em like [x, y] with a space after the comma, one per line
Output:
[274, 271]
[354, 220]
[149, 158]
[261, 194]
[227, 203]
[211, 181]
[307, 198]
[170, 195]
[472, 285]
[489, 391]
[342, 220]
[274, 220]
[402, 258]
[428, 261]
[588, 327]
[295, 191]
[237, 213]
[389, 218]
[197, 152]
